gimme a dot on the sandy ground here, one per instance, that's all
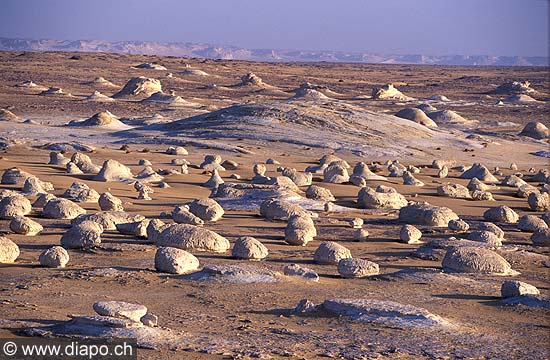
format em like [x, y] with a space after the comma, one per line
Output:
[223, 320]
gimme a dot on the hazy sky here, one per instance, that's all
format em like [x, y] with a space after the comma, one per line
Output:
[432, 27]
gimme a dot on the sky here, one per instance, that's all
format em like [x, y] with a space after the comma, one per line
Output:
[429, 27]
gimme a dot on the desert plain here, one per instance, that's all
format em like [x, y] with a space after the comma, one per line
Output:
[259, 123]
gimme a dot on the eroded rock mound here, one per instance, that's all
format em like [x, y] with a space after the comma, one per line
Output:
[389, 92]
[189, 237]
[62, 209]
[80, 192]
[357, 268]
[300, 230]
[426, 214]
[249, 248]
[175, 261]
[54, 257]
[514, 87]
[206, 209]
[502, 214]
[447, 117]
[535, 130]
[330, 252]
[278, 209]
[416, 115]
[13, 206]
[25, 226]
[85, 235]
[139, 86]
[477, 260]
[368, 198]
[112, 170]
[6, 115]
[480, 172]
[9, 251]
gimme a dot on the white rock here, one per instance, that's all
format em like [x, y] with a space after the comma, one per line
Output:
[513, 288]
[175, 261]
[502, 214]
[120, 309]
[16, 205]
[109, 202]
[249, 248]
[357, 268]
[206, 209]
[85, 235]
[300, 230]
[25, 226]
[410, 234]
[112, 170]
[9, 251]
[189, 237]
[478, 260]
[54, 257]
[330, 252]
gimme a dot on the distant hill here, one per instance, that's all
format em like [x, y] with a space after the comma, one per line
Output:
[234, 53]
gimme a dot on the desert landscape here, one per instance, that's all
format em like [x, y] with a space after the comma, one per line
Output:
[217, 209]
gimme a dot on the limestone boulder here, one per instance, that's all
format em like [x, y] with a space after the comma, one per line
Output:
[357, 268]
[330, 252]
[14, 176]
[54, 257]
[182, 215]
[206, 209]
[480, 172]
[513, 288]
[120, 309]
[455, 191]
[175, 261]
[62, 209]
[530, 223]
[190, 237]
[278, 209]
[478, 260]
[502, 214]
[9, 251]
[109, 202]
[410, 235]
[85, 235]
[80, 192]
[15, 205]
[25, 226]
[368, 198]
[316, 192]
[539, 201]
[109, 219]
[300, 230]
[426, 214]
[541, 237]
[112, 170]
[249, 248]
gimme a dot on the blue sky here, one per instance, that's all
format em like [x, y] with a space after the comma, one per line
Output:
[431, 27]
